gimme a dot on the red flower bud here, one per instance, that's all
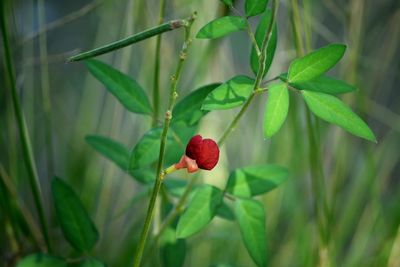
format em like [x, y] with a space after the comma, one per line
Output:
[200, 153]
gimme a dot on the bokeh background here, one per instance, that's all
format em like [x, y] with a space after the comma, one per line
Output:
[63, 103]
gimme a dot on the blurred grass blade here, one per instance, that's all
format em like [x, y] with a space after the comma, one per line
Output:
[276, 109]
[129, 93]
[75, 222]
[332, 110]
[111, 149]
[26, 145]
[326, 85]
[261, 31]
[230, 94]
[189, 108]
[41, 260]
[251, 218]
[221, 27]
[167, 26]
[255, 180]
[255, 7]
[200, 210]
[315, 63]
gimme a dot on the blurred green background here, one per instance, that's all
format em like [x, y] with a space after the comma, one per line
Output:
[63, 103]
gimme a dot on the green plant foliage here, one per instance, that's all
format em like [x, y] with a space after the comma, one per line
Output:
[129, 93]
[173, 250]
[276, 109]
[250, 216]
[315, 63]
[89, 262]
[75, 222]
[227, 2]
[255, 7]
[175, 187]
[143, 175]
[111, 149]
[231, 94]
[255, 180]
[332, 110]
[326, 85]
[221, 27]
[146, 150]
[200, 210]
[261, 31]
[225, 212]
[189, 108]
[41, 260]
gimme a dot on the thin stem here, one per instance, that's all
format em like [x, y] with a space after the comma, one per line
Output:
[156, 87]
[248, 30]
[173, 214]
[252, 37]
[261, 68]
[23, 131]
[165, 27]
[167, 121]
[179, 206]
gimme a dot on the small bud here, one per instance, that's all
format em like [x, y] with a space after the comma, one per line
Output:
[200, 154]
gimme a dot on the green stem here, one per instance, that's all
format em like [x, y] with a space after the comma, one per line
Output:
[167, 121]
[23, 131]
[248, 30]
[156, 87]
[172, 215]
[262, 58]
[178, 208]
[167, 26]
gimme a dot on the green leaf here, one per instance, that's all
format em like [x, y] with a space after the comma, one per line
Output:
[325, 84]
[255, 7]
[332, 110]
[144, 175]
[111, 149]
[315, 63]
[189, 108]
[255, 180]
[230, 94]
[41, 260]
[225, 212]
[221, 27]
[227, 2]
[276, 109]
[200, 210]
[173, 250]
[251, 218]
[271, 46]
[91, 262]
[176, 187]
[124, 88]
[146, 151]
[75, 222]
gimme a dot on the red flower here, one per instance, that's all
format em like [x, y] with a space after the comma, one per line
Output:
[200, 153]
